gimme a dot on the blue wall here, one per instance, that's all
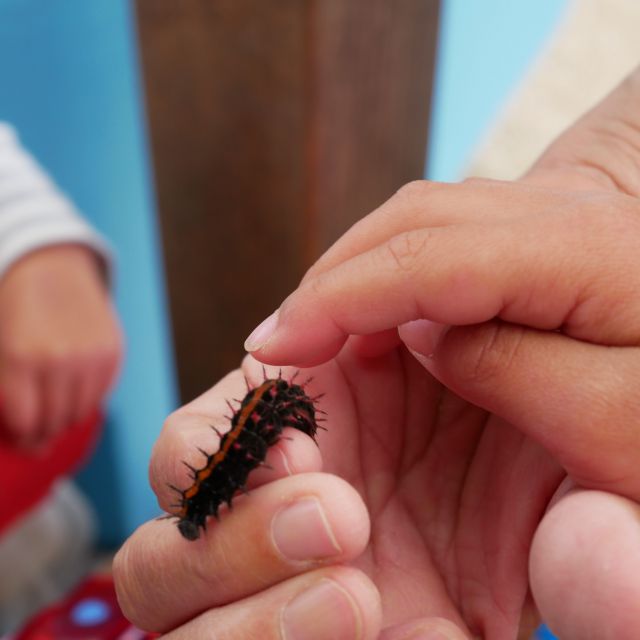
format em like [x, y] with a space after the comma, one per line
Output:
[69, 83]
[485, 48]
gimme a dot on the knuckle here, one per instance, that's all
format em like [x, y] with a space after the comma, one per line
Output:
[52, 360]
[49, 356]
[20, 355]
[405, 249]
[316, 267]
[478, 181]
[320, 287]
[172, 421]
[605, 216]
[418, 189]
[618, 166]
[316, 286]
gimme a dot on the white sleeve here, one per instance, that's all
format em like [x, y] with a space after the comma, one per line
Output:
[33, 212]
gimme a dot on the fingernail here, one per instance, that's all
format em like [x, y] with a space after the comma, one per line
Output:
[421, 336]
[301, 531]
[324, 611]
[261, 334]
[425, 361]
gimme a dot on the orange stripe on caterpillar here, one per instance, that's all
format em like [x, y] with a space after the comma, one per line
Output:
[255, 426]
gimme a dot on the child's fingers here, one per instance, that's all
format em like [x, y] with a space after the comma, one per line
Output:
[576, 271]
[424, 203]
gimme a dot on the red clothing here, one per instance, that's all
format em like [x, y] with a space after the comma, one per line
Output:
[25, 477]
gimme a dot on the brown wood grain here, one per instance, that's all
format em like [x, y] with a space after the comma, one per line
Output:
[274, 125]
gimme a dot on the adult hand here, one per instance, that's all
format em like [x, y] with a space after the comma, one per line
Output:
[538, 282]
[487, 419]
[60, 342]
[272, 565]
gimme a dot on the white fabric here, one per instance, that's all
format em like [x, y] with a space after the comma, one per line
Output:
[33, 212]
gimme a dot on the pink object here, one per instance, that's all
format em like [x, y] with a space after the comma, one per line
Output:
[26, 477]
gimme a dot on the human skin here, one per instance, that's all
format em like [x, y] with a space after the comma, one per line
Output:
[477, 345]
[60, 343]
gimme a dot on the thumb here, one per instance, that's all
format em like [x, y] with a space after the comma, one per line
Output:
[425, 629]
[601, 151]
[577, 399]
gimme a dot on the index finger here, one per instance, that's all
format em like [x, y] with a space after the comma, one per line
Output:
[573, 270]
[423, 203]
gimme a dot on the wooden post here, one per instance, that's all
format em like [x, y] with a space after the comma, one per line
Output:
[274, 126]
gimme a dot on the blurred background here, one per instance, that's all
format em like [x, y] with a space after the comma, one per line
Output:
[222, 145]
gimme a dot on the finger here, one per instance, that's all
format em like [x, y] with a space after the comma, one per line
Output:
[546, 384]
[376, 344]
[57, 397]
[282, 529]
[85, 395]
[423, 203]
[20, 404]
[93, 378]
[548, 274]
[175, 457]
[189, 433]
[599, 152]
[330, 604]
[584, 567]
[425, 629]
[178, 452]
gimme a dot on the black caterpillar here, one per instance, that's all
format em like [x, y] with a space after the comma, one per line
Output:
[255, 426]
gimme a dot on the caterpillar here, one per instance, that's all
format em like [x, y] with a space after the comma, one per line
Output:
[256, 425]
